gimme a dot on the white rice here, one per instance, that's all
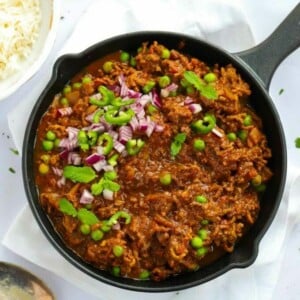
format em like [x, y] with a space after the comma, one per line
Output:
[20, 22]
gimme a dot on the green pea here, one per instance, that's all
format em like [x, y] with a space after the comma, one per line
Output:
[145, 274]
[199, 145]
[164, 81]
[97, 235]
[67, 89]
[118, 250]
[107, 67]
[201, 199]
[203, 233]
[47, 145]
[248, 120]
[165, 178]
[56, 143]
[231, 136]
[45, 158]
[204, 222]
[85, 229]
[116, 271]
[261, 188]
[43, 168]
[124, 56]
[105, 227]
[242, 134]
[256, 181]
[132, 61]
[201, 251]
[50, 135]
[76, 85]
[210, 77]
[148, 87]
[196, 242]
[165, 54]
[64, 101]
[86, 79]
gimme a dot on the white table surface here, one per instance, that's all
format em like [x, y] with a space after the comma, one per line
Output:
[263, 16]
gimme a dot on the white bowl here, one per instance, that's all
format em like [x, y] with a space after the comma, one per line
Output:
[50, 14]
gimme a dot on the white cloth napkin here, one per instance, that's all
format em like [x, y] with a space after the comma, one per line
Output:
[217, 21]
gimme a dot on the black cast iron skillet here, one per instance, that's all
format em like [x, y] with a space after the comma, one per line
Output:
[256, 67]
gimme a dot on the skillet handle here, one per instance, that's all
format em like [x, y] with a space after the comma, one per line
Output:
[265, 57]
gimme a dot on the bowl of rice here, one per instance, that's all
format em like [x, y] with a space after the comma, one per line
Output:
[27, 34]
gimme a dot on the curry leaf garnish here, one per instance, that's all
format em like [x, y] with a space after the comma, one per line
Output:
[79, 174]
[66, 207]
[110, 185]
[208, 91]
[105, 183]
[177, 143]
[87, 217]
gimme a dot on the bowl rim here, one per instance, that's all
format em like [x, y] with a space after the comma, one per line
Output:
[46, 49]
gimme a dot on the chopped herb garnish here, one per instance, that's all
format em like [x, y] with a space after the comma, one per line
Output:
[208, 91]
[297, 142]
[280, 91]
[66, 207]
[14, 151]
[87, 217]
[79, 174]
[12, 170]
[177, 143]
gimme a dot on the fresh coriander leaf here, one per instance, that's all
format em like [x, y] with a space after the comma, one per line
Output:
[87, 217]
[110, 185]
[12, 170]
[14, 151]
[180, 137]
[97, 188]
[111, 175]
[297, 142]
[66, 207]
[208, 91]
[193, 79]
[280, 91]
[176, 145]
[79, 174]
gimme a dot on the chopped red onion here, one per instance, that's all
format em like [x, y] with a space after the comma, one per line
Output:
[65, 111]
[155, 99]
[61, 181]
[195, 107]
[57, 171]
[151, 126]
[116, 226]
[108, 168]
[96, 96]
[159, 128]
[68, 144]
[134, 123]
[188, 100]
[143, 124]
[113, 134]
[119, 146]
[125, 134]
[217, 132]
[108, 195]
[74, 158]
[94, 158]
[143, 100]
[133, 94]
[170, 88]
[86, 197]
[72, 132]
[64, 154]
[98, 166]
